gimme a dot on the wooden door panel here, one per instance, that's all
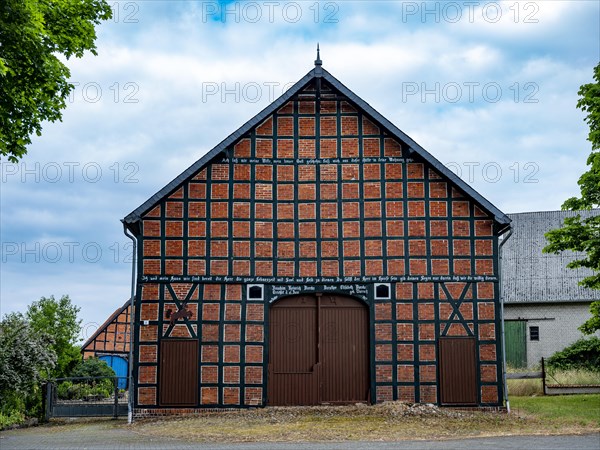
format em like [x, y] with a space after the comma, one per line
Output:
[178, 385]
[458, 371]
[345, 354]
[293, 378]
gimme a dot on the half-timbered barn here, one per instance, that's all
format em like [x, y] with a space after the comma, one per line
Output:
[111, 342]
[318, 255]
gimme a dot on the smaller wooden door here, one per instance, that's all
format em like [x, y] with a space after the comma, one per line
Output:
[178, 384]
[458, 371]
[515, 339]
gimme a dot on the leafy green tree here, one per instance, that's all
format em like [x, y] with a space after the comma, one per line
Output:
[26, 355]
[592, 325]
[58, 319]
[583, 235]
[33, 81]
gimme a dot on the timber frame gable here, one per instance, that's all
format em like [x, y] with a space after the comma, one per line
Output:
[318, 73]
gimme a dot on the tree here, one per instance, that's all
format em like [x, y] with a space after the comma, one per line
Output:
[33, 81]
[25, 356]
[58, 319]
[592, 325]
[577, 234]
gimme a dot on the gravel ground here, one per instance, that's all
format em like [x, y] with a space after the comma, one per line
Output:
[108, 435]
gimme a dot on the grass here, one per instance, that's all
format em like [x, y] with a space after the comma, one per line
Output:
[529, 387]
[522, 388]
[387, 421]
[573, 377]
[562, 410]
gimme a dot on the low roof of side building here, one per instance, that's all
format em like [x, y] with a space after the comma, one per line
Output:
[530, 276]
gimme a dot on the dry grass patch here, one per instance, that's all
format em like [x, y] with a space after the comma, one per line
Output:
[387, 421]
[573, 376]
[529, 387]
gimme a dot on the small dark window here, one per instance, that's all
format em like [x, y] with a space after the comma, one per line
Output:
[255, 292]
[382, 291]
[534, 333]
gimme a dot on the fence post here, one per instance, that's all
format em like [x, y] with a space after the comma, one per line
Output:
[44, 404]
[48, 400]
[116, 404]
[544, 376]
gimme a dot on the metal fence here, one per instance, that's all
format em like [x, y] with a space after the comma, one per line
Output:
[85, 397]
[551, 386]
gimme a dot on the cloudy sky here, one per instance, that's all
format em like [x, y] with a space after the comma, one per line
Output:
[488, 88]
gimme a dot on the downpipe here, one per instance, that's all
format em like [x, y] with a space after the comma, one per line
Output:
[131, 316]
[505, 386]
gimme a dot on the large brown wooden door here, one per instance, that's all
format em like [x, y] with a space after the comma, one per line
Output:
[178, 385]
[318, 351]
[458, 371]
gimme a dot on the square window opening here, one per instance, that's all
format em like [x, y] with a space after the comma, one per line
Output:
[256, 291]
[382, 291]
[534, 333]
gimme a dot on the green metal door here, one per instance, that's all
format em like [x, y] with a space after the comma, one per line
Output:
[516, 347]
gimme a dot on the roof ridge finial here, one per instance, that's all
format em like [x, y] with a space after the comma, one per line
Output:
[318, 61]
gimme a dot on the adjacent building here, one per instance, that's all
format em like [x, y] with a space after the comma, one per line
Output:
[111, 342]
[544, 303]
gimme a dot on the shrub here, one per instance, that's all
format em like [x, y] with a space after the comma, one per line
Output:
[11, 418]
[92, 367]
[82, 389]
[583, 354]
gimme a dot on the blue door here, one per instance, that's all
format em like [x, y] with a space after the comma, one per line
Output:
[119, 365]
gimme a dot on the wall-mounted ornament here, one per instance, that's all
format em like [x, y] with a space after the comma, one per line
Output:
[182, 313]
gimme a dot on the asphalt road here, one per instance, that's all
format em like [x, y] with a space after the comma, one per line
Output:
[103, 435]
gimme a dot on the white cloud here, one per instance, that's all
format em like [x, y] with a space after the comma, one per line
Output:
[172, 57]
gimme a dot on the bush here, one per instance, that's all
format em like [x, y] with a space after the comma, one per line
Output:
[583, 354]
[11, 418]
[92, 367]
[82, 389]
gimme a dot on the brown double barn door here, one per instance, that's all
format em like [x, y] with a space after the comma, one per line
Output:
[318, 351]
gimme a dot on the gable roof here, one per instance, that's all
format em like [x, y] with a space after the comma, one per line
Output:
[106, 323]
[530, 276]
[318, 72]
